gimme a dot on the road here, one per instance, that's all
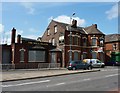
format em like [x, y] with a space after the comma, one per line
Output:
[104, 80]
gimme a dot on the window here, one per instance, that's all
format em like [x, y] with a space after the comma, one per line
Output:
[94, 41]
[94, 55]
[114, 46]
[61, 38]
[101, 41]
[84, 41]
[36, 56]
[48, 31]
[53, 42]
[55, 29]
[75, 55]
[76, 40]
[21, 55]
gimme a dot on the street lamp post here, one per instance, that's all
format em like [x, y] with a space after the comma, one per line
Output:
[71, 38]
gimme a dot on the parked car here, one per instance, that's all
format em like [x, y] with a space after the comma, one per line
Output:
[95, 62]
[74, 65]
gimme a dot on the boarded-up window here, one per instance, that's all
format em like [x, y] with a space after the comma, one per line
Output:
[75, 40]
[94, 41]
[22, 56]
[36, 56]
[84, 41]
[75, 55]
[94, 55]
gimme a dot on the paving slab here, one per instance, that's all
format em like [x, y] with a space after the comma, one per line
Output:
[13, 75]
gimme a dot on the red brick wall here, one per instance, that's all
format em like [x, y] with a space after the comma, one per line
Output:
[109, 49]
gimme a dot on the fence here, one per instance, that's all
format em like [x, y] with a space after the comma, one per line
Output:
[7, 66]
[30, 66]
[48, 65]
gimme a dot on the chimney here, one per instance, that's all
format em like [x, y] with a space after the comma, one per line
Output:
[74, 23]
[95, 25]
[18, 39]
[13, 36]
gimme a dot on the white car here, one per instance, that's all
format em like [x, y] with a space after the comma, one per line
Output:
[95, 62]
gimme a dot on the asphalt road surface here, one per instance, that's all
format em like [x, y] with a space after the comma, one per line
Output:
[104, 80]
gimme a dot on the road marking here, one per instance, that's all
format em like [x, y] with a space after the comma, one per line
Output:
[60, 83]
[111, 75]
[86, 79]
[109, 69]
[26, 83]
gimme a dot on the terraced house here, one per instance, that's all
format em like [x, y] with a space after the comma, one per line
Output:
[73, 41]
[112, 48]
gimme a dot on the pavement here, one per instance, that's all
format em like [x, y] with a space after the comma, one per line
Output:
[22, 74]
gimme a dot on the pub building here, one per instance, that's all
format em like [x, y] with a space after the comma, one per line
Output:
[54, 46]
[80, 42]
[26, 53]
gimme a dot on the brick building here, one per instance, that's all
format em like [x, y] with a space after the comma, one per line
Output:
[25, 53]
[112, 47]
[85, 42]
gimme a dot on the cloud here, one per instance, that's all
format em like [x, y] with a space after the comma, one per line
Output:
[113, 12]
[29, 7]
[32, 30]
[66, 19]
[1, 28]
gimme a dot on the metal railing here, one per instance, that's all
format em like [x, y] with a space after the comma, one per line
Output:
[29, 66]
[48, 65]
[7, 66]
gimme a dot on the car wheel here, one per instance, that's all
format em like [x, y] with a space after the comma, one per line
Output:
[74, 68]
[90, 67]
[102, 66]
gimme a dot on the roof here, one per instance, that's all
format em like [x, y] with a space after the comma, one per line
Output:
[112, 37]
[64, 25]
[27, 39]
[93, 30]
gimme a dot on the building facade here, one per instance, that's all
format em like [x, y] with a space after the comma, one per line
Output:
[72, 41]
[112, 47]
[25, 53]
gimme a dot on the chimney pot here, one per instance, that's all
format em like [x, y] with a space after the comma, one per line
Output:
[95, 25]
[18, 39]
[13, 36]
[74, 23]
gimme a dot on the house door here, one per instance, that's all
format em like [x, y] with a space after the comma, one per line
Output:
[6, 57]
[102, 56]
[53, 58]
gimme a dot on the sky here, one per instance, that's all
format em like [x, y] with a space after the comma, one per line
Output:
[31, 19]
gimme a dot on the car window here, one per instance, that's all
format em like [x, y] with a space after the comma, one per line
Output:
[98, 62]
[76, 62]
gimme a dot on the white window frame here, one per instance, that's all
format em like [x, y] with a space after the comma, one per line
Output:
[55, 28]
[84, 43]
[93, 42]
[48, 31]
[53, 42]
